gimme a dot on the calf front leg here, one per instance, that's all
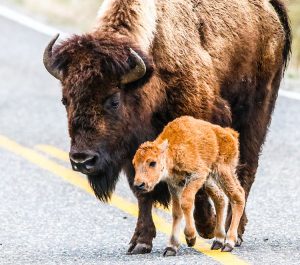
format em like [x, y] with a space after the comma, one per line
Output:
[172, 248]
[187, 206]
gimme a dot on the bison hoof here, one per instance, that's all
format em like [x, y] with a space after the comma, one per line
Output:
[239, 241]
[139, 248]
[207, 231]
[190, 242]
[216, 245]
[169, 251]
[227, 248]
[131, 247]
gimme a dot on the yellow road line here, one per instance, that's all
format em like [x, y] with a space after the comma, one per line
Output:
[53, 151]
[118, 202]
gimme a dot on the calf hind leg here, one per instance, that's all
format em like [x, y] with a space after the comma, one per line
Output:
[236, 196]
[218, 197]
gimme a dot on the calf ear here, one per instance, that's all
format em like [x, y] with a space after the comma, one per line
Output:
[164, 145]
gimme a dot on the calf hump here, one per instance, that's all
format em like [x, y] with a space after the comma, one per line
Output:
[228, 143]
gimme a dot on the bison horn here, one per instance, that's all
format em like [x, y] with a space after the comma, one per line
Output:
[48, 60]
[137, 72]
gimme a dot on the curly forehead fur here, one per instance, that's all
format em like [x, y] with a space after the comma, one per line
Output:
[87, 59]
[147, 149]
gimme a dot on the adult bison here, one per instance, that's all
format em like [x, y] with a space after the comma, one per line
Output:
[148, 62]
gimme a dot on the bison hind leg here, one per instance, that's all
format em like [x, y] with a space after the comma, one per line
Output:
[204, 215]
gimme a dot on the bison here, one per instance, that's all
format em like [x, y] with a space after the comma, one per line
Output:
[146, 63]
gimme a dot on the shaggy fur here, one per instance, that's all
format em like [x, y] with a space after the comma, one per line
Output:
[188, 155]
[221, 61]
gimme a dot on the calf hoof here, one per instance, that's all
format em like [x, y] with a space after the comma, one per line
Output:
[139, 248]
[239, 241]
[169, 251]
[216, 245]
[227, 248]
[190, 242]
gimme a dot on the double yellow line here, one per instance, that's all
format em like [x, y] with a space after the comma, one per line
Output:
[75, 179]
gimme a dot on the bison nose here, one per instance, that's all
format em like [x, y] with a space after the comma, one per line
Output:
[140, 187]
[84, 162]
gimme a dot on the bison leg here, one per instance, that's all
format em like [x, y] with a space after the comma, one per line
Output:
[144, 233]
[252, 126]
[204, 216]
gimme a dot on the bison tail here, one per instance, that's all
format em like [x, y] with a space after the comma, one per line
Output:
[281, 10]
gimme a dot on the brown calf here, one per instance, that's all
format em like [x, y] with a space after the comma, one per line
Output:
[188, 155]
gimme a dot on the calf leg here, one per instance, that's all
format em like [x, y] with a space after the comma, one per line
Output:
[218, 198]
[187, 205]
[236, 195]
[173, 245]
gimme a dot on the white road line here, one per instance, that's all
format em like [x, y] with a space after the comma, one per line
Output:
[289, 94]
[29, 22]
[51, 31]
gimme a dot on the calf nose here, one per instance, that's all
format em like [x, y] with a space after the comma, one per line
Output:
[140, 187]
[84, 162]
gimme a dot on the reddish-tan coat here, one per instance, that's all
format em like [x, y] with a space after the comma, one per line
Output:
[188, 155]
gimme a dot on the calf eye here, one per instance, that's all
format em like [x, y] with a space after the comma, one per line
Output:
[152, 164]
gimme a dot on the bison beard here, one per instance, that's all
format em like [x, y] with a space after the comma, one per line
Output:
[104, 184]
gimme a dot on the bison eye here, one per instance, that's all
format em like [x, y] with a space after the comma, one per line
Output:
[113, 102]
[152, 164]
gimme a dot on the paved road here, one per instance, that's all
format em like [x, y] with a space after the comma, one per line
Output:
[46, 220]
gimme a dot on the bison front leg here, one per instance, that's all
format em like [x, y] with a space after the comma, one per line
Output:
[141, 241]
[144, 233]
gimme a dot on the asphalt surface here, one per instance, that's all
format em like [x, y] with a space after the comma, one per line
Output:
[45, 220]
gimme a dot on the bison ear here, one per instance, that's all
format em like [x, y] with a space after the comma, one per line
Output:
[164, 145]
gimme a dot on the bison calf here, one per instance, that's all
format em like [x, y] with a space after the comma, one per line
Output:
[188, 154]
